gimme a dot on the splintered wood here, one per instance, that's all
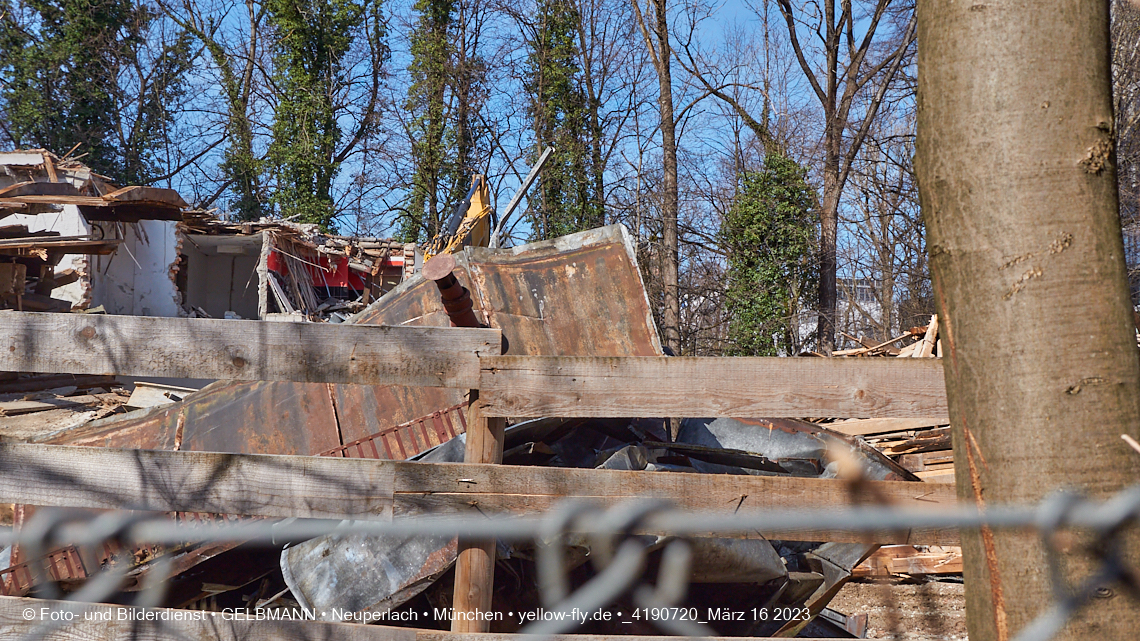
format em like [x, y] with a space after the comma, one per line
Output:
[924, 344]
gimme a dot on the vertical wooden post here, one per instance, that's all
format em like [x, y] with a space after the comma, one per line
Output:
[475, 564]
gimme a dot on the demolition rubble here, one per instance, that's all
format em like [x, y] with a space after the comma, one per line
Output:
[74, 243]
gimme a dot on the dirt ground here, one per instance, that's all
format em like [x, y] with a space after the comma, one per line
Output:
[907, 612]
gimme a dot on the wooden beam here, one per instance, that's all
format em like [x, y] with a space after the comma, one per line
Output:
[243, 350]
[475, 560]
[98, 621]
[38, 189]
[160, 481]
[136, 194]
[328, 487]
[40, 199]
[871, 426]
[524, 386]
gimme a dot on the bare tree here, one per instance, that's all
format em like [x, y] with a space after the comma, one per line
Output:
[656, 37]
[236, 60]
[849, 74]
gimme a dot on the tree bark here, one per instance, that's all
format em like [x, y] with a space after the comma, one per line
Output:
[672, 312]
[1018, 191]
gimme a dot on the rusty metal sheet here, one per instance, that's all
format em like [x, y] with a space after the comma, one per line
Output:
[407, 439]
[243, 418]
[579, 294]
[573, 296]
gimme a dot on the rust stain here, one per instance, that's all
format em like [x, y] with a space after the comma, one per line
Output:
[997, 593]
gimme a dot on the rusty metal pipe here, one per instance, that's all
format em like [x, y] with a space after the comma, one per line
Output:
[454, 296]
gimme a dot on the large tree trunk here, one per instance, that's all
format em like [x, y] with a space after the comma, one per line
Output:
[672, 313]
[828, 265]
[1019, 196]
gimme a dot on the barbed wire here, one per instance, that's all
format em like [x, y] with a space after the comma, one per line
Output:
[621, 557]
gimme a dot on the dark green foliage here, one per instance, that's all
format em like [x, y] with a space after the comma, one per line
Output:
[70, 73]
[566, 201]
[444, 98]
[771, 237]
[313, 37]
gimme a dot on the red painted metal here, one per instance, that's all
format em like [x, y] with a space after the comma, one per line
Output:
[64, 564]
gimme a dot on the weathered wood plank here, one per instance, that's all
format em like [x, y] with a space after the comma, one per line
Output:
[243, 350]
[475, 560]
[490, 489]
[98, 621]
[746, 387]
[136, 194]
[870, 426]
[255, 485]
[328, 487]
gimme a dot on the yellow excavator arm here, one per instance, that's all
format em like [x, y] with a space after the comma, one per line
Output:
[470, 224]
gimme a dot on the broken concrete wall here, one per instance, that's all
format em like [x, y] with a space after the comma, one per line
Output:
[136, 280]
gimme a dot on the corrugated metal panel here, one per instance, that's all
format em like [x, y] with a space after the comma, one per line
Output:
[407, 439]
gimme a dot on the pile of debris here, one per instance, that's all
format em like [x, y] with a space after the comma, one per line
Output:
[923, 343]
[73, 240]
[922, 447]
[36, 182]
[36, 407]
[554, 298]
[302, 273]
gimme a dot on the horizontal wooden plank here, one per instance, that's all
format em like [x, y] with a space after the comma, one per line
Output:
[159, 481]
[15, 408]
[871, 426]
[82, 201]
[136, 194]
[488, 489]
[525, 386]
[329, 487]
[19, 617]
[243, 350]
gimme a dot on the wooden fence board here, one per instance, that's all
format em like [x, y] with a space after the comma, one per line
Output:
[243, 350]
[526, 386]
[329, 487]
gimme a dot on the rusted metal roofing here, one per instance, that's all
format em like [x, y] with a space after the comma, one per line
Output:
[580, 294]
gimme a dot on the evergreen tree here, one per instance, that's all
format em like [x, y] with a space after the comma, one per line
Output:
[772, 240]
[70, 75]
[313, 37]
[444, 99]
[566, 201]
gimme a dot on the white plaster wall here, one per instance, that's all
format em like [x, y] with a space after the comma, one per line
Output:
[136, 280]
[221, 282]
